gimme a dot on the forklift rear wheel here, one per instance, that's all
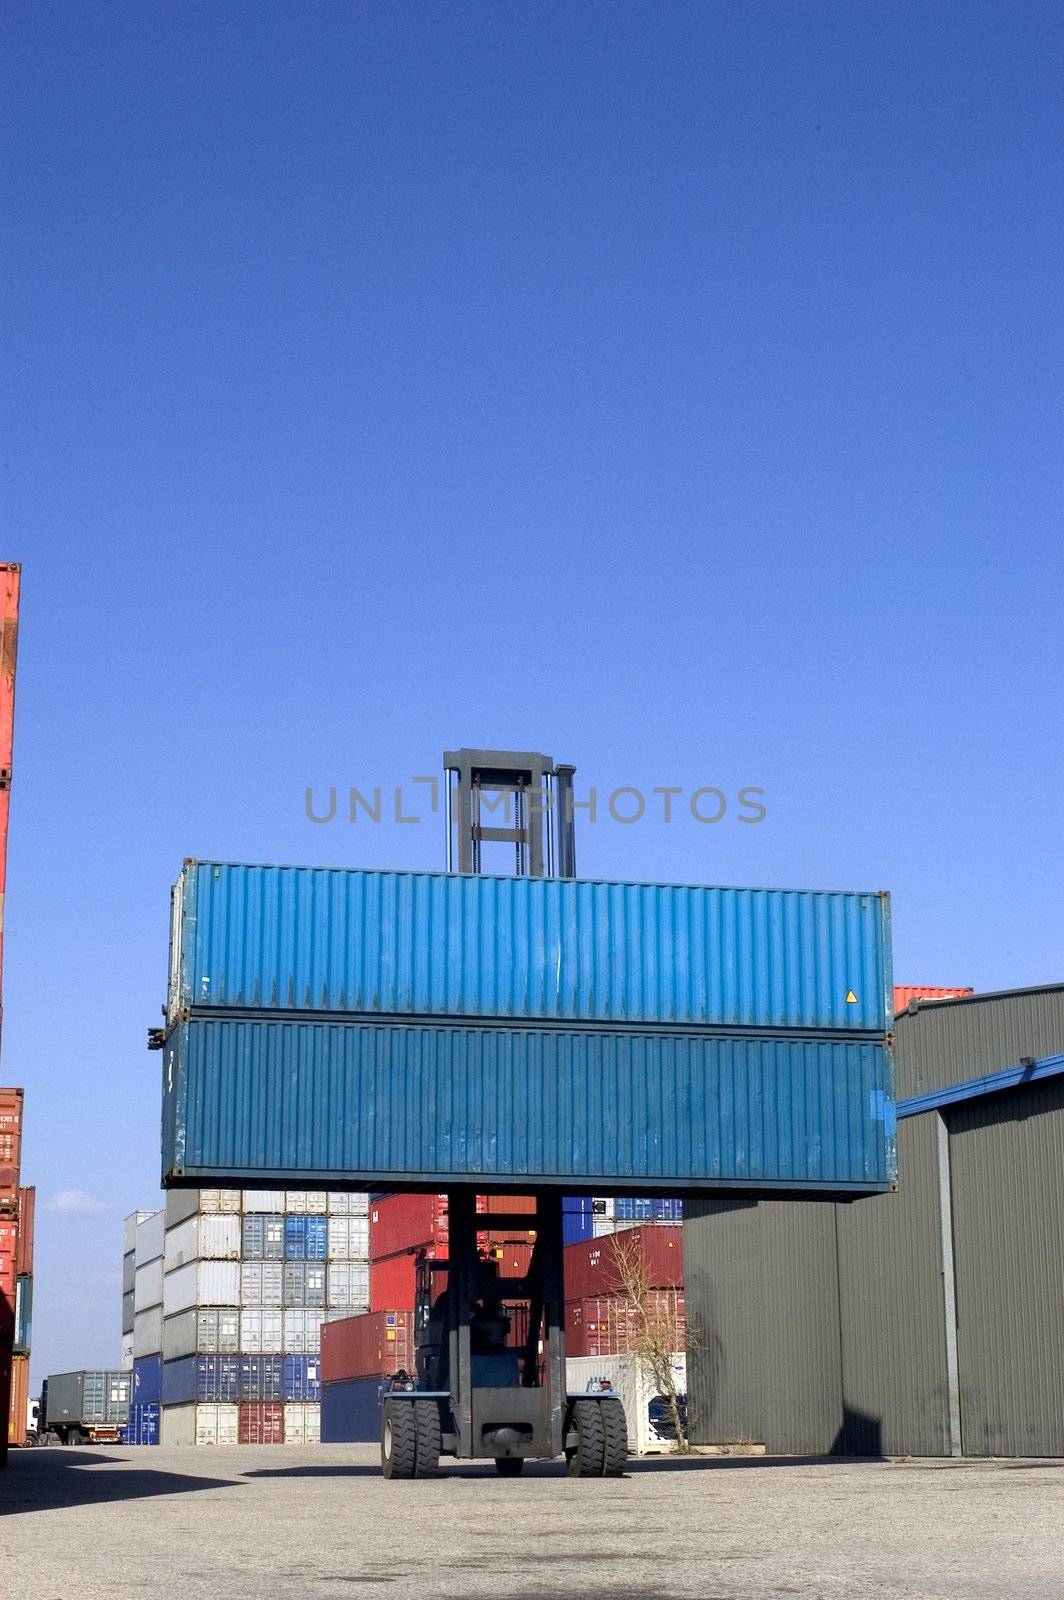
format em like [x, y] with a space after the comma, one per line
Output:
[615, 1434]
[398, 1440]
[427, 1429]
[509, 1466]
[587, 1458]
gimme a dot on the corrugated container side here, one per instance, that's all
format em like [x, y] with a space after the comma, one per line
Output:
[302, 1423]
[200, 1424]
[201, 1283]
[904, 993]
[211, 1331]
[376, 1344]
[406, 1222]
[592, 1267]
[129, 1272]
[129, 1230]
[11, 1109]
[209, 1236]
[27, 1210]
[326, 939]
[148, 1286]
[264, 1201]
[129, 1312]
[351, 1411]
[148, 1332]
[150, 1237]
[18, 1407]
[601, 1325]
[23, 1331]
[716, 1111]
[262, 1422]
[393, 1281]
[147, 1380]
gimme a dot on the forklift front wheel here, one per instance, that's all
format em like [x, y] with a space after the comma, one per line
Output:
[587, 1457]
[398, 1439]
[509, 1466]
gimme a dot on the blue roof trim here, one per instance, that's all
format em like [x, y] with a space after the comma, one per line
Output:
[974, 1088]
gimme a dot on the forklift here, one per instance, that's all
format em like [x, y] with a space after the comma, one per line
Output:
[489, 1383]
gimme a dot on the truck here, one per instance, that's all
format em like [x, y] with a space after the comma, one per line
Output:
[90, 1406]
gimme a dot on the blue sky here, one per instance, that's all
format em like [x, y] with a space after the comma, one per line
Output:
[671, 387]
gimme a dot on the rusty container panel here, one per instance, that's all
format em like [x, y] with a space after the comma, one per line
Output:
[27, 1205]
[18, 1406]
[374, 1345]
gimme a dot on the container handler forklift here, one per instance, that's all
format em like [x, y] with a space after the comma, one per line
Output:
[475, 1395]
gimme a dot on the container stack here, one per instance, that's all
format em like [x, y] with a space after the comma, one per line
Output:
[129, 1268]
[602, 1317]
[585, 1218]
[407, 1228]
[16, 1275]
[230, 1291]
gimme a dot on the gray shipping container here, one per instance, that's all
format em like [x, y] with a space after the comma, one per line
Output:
[210, 1331]
[263, 1237]
[128, 1312]
[93, 1398]
[262, 1283]
[304, 1284]
[129, 1268]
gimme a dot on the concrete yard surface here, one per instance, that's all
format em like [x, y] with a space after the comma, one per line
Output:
[261, 1523]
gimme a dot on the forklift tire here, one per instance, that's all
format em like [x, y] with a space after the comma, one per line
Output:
[398, 1439]
[509, 1466]
[427, 1429]
[586, 1460]
[615, 1432]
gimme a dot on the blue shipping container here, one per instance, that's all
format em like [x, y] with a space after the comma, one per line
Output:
[578, 1222]
[143, 1424]
[401, 1105]
[632, 1208]
[261, 1377]
[441, 944]
[305, 1238]
[351, 1411]
[147, 1380]
[207, 1380]
[302, 1378]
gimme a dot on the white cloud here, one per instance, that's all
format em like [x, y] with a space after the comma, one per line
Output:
[76, 1203]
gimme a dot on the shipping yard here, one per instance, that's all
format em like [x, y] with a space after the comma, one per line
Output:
[452, 1169]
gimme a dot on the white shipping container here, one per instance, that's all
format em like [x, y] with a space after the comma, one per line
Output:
[349, 1284]
[184, 1203]
[342, 1204]
[188, 1425]
[148, 1244]
[300, 1202]
[348, 1238]
[302, 1332]
[213, 1237]
[201, 1283]
[225, 1201]
[261, 1332]
[637, 1391]
[126, 1360]
[262, 1283]
[129, 1230]
[264, 1199]
[148, 1332]
[129, 1272]
[302, 1423]
[148, 1286]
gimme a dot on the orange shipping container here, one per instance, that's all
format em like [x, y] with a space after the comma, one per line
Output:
[903, 994]
[20, 1399]
[27, 1202]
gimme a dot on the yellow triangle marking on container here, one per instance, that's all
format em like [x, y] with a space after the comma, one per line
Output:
[851, 998]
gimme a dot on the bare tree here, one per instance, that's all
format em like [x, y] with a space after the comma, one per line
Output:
[656, 1328]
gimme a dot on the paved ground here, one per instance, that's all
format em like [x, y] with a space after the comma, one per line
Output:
[262, 1523]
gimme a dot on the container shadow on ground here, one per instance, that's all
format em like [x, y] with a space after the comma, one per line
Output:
[557, 1469]
[48, 1480]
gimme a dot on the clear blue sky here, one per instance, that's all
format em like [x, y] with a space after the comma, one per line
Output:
[671, 387]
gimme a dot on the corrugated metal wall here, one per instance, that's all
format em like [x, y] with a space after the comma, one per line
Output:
[838, 1337]
[1007, 1165]
[950, 1041]
[890, 1295]
[763, 1358]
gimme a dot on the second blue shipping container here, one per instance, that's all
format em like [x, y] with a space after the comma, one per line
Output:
[302, 1378]
[147, 1380]
[143, 1424]
[204, 1380]
[261, 1377]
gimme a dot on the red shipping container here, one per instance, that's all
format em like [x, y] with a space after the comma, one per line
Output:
[18, 1410]
[373, 1345]
[607, 1325]
[590, 1267]
[903, 994]
[10, 1144]
[261, 1422]
[27, 1201]
[413, 1221]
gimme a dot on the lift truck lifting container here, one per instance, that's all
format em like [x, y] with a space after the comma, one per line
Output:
[453, 1059]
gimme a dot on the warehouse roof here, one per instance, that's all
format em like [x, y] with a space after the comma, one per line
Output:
[1027, 1071]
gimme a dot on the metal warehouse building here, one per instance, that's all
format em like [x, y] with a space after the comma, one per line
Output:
[928, 1322]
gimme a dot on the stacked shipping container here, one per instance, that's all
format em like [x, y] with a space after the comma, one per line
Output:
[245, 1281]
[17, 1207]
